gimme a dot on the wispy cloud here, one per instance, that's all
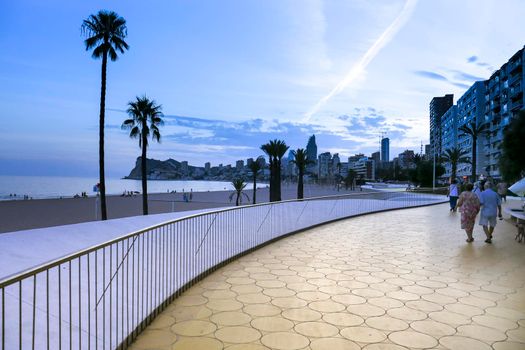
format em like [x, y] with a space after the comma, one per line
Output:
[472, 59]
[361, 65]
[430, 75]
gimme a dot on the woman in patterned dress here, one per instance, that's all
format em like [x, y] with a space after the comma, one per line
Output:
[469, 203]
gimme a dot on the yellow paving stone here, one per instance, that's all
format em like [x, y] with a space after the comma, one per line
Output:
[246, 289]
[288, 302]
[452, 292]
[487, 295]
[214, 285]
[444, 279]
[326, 306]
[498, 323]
[256, 270]
[195, 343]
[368, 293]
[365, 310]
[432, 328]
[333, 290]
[482, 333]
[406, 313]
[162, 321]
[423, 305]
[224, 305]
[301, 287]
[285, 341]
[342, 319]
[302, 315]
[190, 300]
[311, 274]
[462, 343]
[384, 346]
[316, 329]
[384, 287]
[263, 276]
[352, 284]
[386, 323]
[185, 313]
[431, 283]
[413, 340]
[505, 313]
[240, 280]
[439, 299]
[219, 294]
[237, 334]
[292, 279]
[279, 292]
[397, 281]
[402, 295]
[313, 296]
[230, 318]
[253, 298]
[259, 310]
[333, 344]
[272, 324]
[451, 318]
[467, 287]
[463, 309]
[348, 299]
[270, 284]
[154, 339]
[508, 346]
[363, 334]
[478, 302]
[246, 347]
[193, 328]
[418, 290]
[517, 334]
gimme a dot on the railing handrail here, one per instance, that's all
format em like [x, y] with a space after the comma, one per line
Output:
[16, 277]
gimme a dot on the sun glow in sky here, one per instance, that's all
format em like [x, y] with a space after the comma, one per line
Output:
[233, 74]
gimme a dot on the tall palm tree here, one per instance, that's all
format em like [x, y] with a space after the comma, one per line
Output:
[474, 131]
[454, 156]
[239, 186]
[105, 33]
[301, 161]
[255, 167]
[275, 149]
[146, 117]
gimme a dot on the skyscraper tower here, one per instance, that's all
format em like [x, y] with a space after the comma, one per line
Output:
[385, 150]
[311, 154]
[438, 107]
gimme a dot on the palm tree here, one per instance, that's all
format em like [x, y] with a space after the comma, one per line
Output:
[105, 33]
[474, 131]
[238, 185]
[275, 149]
[145, 121]
[454, 156]
[301, 161]
[255, 167]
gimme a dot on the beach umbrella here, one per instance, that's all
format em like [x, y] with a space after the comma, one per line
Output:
[519, 187]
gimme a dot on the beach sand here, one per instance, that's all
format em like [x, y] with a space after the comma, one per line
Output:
[27, 214]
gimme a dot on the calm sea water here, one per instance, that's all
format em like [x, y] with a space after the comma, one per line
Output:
[55, 186]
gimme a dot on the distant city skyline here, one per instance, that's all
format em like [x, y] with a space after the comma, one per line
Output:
[344, 71]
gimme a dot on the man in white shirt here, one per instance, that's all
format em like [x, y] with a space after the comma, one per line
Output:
[490, 207]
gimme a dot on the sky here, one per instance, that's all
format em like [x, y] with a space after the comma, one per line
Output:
[232, 74]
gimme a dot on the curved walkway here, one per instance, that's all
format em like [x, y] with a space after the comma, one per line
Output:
[403, 279]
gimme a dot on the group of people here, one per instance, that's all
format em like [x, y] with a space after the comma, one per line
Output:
[187, 197]
[477, 198]
[81, 195]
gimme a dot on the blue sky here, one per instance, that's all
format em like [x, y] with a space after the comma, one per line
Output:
[233, 74]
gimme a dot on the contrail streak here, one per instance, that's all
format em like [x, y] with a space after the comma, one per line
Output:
[361, 65]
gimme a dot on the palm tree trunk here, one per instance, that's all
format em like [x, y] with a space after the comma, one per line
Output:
[454, 170]
[272, 180]
[144, 175]
[238, 197]
[300, 186]
[102, 178]
[278, 181]
[474, 157]
[254, 187]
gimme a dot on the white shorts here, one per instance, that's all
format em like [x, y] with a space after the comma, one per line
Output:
[487, 220]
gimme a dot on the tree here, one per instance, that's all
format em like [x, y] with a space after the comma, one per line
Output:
[145, 121]
[512, 161]
[350, 179]
[338, 180]
[474, 131]
[422, 174]
[105, 33]
[454, 156]
[275, 149]
[239, 186]
[301, 161]
[255, 167]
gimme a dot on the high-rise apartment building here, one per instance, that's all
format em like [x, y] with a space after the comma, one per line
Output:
[336, 163]
[503, 100]
[405, 160]
[207, 167]
[311, 154]
[239, 165]
[385, 150]
[438, 106]
[376, 156]
[449, 135]
[325, 165]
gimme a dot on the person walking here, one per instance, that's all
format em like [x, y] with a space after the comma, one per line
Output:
[453, 194]
[502, 190]
[490, 207]
[469, 204]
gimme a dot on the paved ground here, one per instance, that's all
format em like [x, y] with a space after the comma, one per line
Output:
[396, 280]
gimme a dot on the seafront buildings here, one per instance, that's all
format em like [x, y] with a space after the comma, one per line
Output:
[494, 102]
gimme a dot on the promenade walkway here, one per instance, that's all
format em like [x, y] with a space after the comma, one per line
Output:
[402, 279]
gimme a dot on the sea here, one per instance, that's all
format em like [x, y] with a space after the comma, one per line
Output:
[38, 187]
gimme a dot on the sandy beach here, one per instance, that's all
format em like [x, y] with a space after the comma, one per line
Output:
[27, 214]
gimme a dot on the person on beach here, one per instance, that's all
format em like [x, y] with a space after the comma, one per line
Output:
[502, 190]
[469, 204]
[191, 194]
[453, 194]
[491, 206]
